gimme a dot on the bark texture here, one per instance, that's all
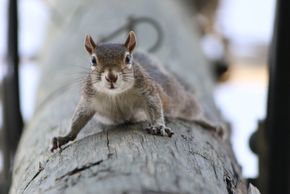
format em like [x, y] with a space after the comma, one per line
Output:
[122, 159]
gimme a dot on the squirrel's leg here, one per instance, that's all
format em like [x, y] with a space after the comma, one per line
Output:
[154, 112]
[80, 118]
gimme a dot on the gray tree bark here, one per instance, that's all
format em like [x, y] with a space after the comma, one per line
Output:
[123, 159]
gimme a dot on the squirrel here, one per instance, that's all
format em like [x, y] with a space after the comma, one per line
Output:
[123, 86]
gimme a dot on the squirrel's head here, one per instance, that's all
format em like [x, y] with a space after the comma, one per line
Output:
[112, 64]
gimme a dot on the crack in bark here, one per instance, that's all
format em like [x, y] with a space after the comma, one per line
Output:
[40, 169]
[101, 171]
[199, 154]
[214, 170]
[142, 143]
[230, 183]
[76, 170]
[110, 154]
[231, 180]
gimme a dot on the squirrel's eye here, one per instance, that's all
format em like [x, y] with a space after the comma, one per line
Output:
[94, 61]
[128, 59]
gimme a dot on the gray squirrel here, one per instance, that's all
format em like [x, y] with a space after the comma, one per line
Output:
[123, 86]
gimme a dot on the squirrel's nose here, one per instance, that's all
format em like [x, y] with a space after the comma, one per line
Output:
[111, 77]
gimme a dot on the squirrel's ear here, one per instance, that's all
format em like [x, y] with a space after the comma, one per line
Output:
[131, 41]
[90, 45]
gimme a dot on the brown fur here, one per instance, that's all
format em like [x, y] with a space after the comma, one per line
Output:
[143, 90]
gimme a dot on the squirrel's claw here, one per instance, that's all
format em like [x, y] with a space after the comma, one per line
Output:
[57, 142]
[169, 131]
[159, 130]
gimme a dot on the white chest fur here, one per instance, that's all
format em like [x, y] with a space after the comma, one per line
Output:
[119, 108]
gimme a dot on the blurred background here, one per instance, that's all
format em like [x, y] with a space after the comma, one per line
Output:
[235, 34]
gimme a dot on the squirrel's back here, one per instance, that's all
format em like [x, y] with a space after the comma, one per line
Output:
[177, 100]
[153, 67]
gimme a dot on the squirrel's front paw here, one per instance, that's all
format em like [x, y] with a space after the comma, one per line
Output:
[160, 130]
[57, 142]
